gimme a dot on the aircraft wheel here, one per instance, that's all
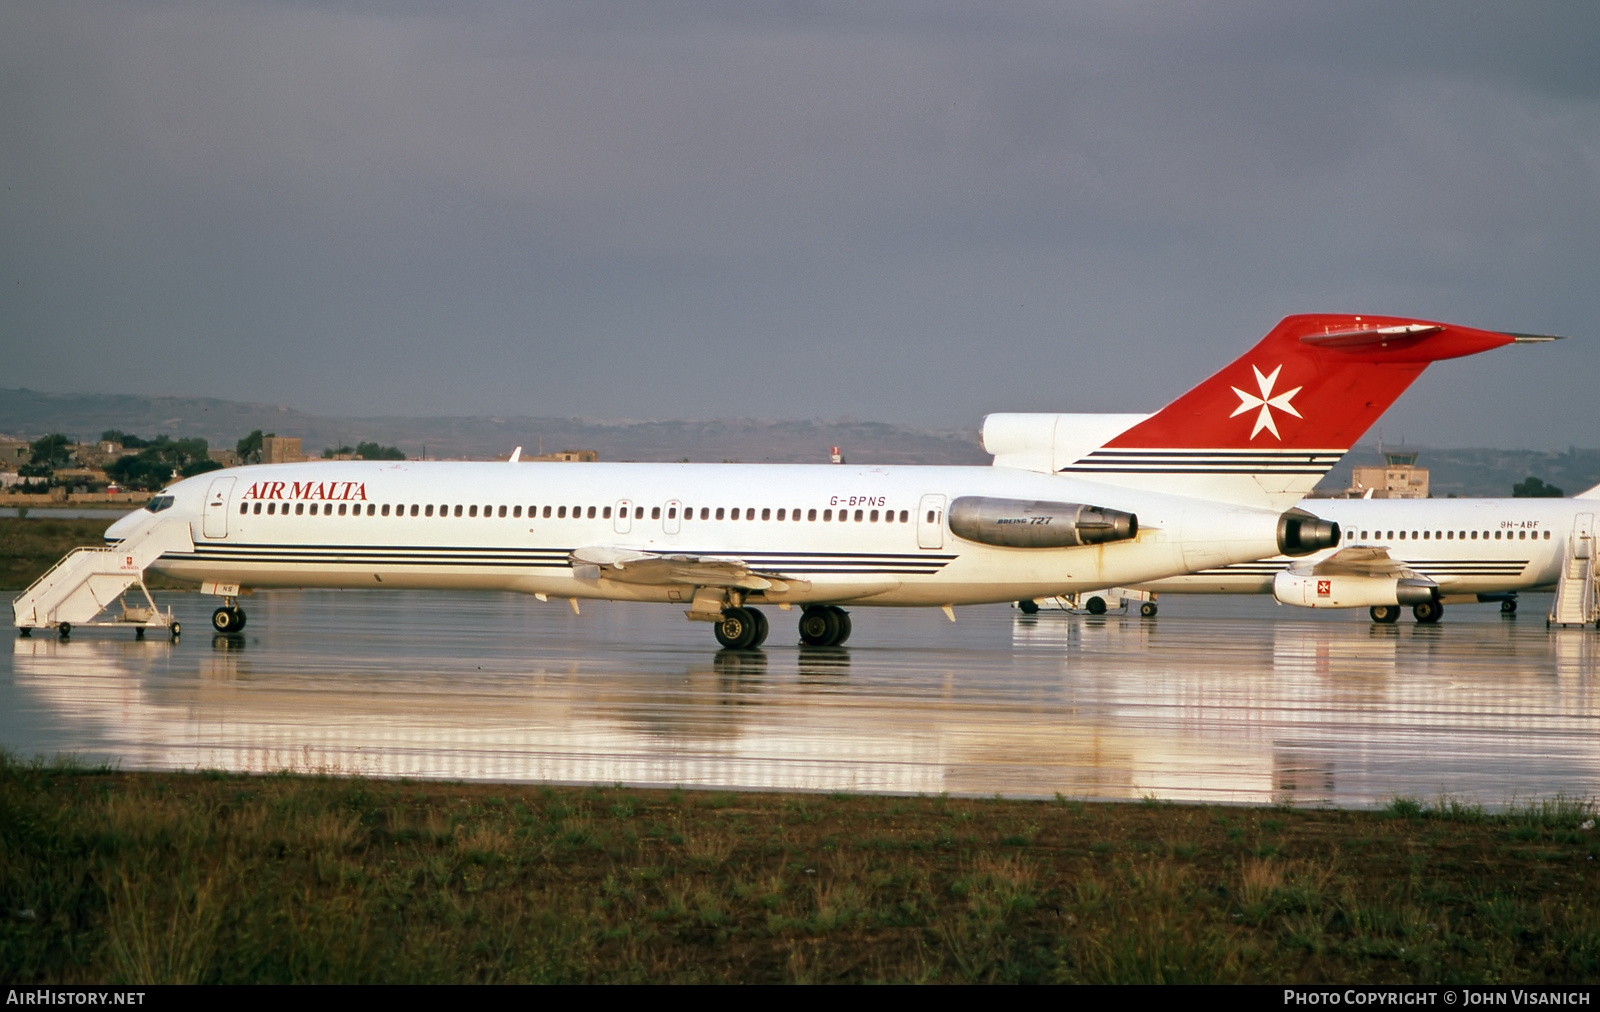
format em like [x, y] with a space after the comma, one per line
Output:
[819, 627]
[761, 627]
[64, 630]
[1428, 612]
[227, 620]
[1095, 606]
[736, 629]
[1384, 613]
[1508, 607]
[176, 629]
[1148, 609]
[844, 625]
[1028, 606]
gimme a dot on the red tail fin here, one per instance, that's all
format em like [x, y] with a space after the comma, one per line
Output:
[1283, 413]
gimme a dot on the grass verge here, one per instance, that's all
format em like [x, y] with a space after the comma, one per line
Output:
[209, 877]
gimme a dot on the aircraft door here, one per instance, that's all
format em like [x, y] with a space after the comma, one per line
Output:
[669, 519]
[624, 516]
[1583, 536]
[930, 522]
[216, 515]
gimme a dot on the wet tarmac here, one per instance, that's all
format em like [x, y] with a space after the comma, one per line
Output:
[1217, 699]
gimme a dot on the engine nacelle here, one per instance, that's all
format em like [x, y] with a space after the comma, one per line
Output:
[1308, 590]
[1300, 533]
[1025, 523]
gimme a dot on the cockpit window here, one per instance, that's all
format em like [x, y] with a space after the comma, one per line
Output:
[160, 502]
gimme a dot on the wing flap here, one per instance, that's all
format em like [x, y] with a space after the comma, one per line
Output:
[1355, 562]
[625, 565]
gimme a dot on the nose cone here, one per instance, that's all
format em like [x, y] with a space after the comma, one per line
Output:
[126, 526]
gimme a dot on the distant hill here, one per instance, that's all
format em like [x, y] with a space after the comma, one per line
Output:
[30, 414]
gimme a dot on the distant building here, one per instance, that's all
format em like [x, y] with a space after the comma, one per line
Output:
[281, 450]
[569, 456]
[14, 452]
[1398, 477]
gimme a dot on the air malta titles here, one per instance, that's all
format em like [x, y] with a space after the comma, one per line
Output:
[333, 491]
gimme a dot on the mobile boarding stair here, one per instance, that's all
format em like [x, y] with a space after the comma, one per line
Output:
[1577, 601]
[90, 580]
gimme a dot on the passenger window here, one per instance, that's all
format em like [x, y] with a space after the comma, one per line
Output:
[655, 513]
[638, 513]
[874, 516]
[811, 514]
[735, 514]
[385, 511]
[766, 514]
[705, 512]
[1522, 535]
[561, 513]
[930, 516]
[905, 516]
[1425, 535]
[1547, 535]
[672, 513]
[827, 516]
[605, 514]
[428, 512]
[547, 513]
[414, 509]
[502, 511]
[780, 514]
[591, 512]
[472, 510]
[719, 512]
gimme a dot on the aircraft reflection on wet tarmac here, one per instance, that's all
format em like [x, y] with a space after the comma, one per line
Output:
[1229, 699]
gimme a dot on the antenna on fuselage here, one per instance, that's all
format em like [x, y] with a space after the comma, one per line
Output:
[515, 455]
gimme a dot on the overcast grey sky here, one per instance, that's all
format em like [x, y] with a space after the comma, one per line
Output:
[914, 212]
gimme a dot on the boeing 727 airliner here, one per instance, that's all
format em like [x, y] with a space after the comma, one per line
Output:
[1072, 502]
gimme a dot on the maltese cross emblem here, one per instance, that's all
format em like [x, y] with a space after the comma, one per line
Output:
[1266, 402]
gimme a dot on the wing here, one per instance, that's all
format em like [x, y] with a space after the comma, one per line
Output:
[1355, 562]
[625, 565]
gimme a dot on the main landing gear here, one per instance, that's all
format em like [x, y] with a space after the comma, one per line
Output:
[824, 626]
[228, 619]
[1426, 613]
[741, 628]
[746, 628]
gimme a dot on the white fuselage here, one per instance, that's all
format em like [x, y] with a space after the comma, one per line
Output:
[1466, 546]
[869, 535]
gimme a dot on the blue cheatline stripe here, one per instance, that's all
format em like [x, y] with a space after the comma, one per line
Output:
[1305, 462]
[553, 558]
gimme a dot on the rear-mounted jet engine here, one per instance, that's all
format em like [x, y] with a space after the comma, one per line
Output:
[1300, 533]
[1024, 523]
